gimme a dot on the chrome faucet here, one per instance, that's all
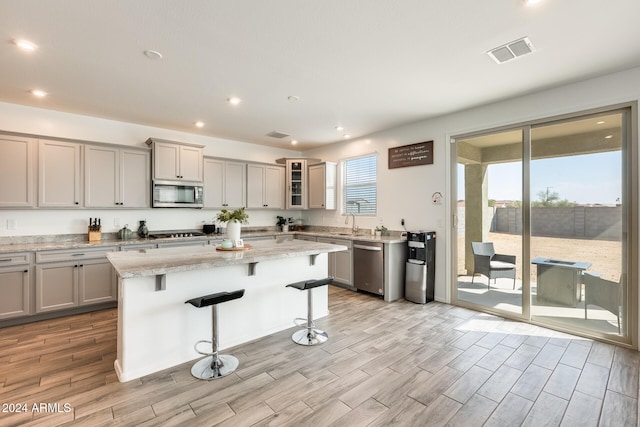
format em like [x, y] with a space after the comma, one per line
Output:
[354, 228]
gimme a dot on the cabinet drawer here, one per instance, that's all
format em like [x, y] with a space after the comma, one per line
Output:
[15, 258]
[347, 243]
[73, 254]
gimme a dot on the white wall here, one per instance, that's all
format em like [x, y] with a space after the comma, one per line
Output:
[406, 192]
[42, 122]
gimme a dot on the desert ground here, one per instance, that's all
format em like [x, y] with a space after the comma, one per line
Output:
[605, 256]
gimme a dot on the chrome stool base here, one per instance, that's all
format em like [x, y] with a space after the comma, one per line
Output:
[309, 337]
[204, 370]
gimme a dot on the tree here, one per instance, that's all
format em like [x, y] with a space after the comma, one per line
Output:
[551, 199]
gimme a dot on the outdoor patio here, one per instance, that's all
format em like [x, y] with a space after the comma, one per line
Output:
[501, 296]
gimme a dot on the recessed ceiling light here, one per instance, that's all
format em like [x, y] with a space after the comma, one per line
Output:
[26, 45]
[293, 98]
[601, 122]
[199, 124]
[608, 137]
[346, 136]
[294, 142]
[531, 2]
[152, 54]
[39, 93]
[234, 100]
[339, 128]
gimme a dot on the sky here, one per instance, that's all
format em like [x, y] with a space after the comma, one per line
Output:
[584, 179]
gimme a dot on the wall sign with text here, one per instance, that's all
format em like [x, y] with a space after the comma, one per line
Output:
[411, 155]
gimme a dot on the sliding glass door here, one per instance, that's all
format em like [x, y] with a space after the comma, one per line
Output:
[578, 246]
[489, 212]
[542, 218]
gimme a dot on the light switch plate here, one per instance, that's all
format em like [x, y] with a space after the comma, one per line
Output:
[12, 224]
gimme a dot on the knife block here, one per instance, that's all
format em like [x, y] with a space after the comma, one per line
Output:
[95, 236]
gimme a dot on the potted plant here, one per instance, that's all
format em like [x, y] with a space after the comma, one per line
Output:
[234, 220]
[381, 230]
[284, 222]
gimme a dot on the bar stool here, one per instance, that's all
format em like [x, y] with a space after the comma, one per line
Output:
[309, 335]
[215, 365]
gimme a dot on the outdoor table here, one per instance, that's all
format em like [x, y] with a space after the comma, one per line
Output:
[559, 281]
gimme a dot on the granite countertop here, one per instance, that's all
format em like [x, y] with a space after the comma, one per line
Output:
[44, 243]
[151, 262]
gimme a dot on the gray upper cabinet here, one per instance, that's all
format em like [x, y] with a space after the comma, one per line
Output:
[265, 186]
[322, 185]
[224, 183]
[16, 171]
[59, 174]
[116, 177]
[175, 161]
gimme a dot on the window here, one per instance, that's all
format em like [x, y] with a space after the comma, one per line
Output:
[359, 189]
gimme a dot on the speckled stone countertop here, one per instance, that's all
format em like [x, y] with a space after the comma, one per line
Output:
[151, 262]
[79, 241]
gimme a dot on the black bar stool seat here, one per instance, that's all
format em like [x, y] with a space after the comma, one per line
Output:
[215, 365]
[309, 335]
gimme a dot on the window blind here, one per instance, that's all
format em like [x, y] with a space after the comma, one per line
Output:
[359, 189]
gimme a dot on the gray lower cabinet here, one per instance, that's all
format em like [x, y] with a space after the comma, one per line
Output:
[15, 285]
[340, 263]
[71, 278]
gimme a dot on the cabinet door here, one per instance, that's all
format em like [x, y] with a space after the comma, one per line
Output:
[101, 176]
[56, 286]
[96, 282]
[14, 292]
[317, 186]
[235, 187]
[274, 187]
[166, 158]
[190, 163]
[16, 171]
[343, 272]
[213, 183]
[296, 184]
[135, 178]
[59, 174]
[255, 186]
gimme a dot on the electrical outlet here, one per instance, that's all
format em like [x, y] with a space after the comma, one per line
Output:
[380, 220]
[116, 222]
[12, 224]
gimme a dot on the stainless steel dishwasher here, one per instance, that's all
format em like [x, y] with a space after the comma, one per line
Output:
[368, 266]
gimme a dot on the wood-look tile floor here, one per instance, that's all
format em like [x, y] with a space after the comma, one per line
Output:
[400, 363]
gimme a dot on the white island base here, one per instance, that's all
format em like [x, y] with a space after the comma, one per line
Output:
[157, 330]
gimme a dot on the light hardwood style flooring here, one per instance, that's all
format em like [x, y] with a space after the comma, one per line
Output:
[384, 364]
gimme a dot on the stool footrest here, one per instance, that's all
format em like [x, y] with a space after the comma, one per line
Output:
[211, 353]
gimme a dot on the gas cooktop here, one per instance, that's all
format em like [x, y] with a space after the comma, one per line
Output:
[173, 234]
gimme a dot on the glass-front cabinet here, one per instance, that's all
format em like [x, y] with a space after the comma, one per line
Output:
[297, 182]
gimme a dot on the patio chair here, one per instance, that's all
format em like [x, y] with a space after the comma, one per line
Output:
[495, 266]
[603, 293]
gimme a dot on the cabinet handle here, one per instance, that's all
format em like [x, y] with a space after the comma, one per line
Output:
[77, 203]
[26, 271]
[77, 255]
[5, 260]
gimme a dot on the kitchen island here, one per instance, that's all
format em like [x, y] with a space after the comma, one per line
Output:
[157, 330]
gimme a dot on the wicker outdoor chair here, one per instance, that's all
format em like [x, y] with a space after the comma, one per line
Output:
[495, 266]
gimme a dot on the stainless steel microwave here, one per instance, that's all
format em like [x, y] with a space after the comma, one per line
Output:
[173, 194]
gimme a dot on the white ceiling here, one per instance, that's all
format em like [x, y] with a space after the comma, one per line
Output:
[365, 64]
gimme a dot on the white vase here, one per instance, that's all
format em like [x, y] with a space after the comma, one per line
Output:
[233, 230]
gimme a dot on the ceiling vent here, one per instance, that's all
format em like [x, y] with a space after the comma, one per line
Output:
[278, 135]
[511, 50]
